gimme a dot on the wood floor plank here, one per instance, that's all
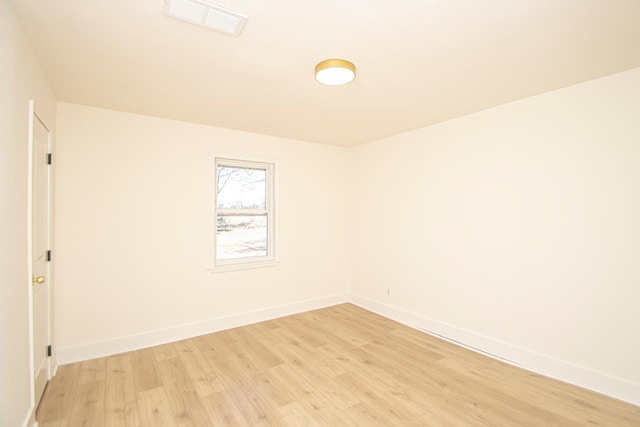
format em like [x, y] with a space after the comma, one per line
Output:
[198, 369]
[292, 351]
[121, 408]
[338, 366]
[501, 380]
[274, 390]
[187, 407]
[154, 407]
[306, 368]
[59, 395]
[294, 414]
[57, 423]
[165, 351]
[384, 376]
[88, 407]
[455, 393]
[223, 410]
[364, 414]
[145, 369]
[261, 351]
[314, 401]
[92, 370]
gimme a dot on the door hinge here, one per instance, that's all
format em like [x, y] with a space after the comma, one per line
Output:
[49, 255]
[48, 351]
[49, 158]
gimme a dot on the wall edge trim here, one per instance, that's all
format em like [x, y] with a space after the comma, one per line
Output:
[548, 366]
[91, 350]
[30, 418]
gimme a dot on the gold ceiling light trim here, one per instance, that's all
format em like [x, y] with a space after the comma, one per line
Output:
[335, 72]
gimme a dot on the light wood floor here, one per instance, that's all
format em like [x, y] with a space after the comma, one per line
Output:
[337, 366]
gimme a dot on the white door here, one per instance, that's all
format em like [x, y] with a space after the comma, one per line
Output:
[40, 253]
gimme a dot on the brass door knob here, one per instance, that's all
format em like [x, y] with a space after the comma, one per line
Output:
[38, 279]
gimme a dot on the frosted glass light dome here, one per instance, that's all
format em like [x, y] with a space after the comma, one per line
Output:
[335, 72]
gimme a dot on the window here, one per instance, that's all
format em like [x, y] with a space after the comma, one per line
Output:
[244, 213]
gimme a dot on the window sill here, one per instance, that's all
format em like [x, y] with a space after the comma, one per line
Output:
[242, 266]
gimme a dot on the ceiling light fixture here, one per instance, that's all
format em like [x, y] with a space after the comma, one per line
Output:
[335, 72]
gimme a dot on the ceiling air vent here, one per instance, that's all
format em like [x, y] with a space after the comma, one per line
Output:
[206, 14]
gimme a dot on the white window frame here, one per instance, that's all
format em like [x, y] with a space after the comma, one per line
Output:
[270, 211]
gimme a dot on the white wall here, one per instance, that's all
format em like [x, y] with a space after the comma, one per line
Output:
[20, 79]
[133, 220]
[515, 230]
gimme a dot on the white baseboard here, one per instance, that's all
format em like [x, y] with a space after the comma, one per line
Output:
[135, 342]
[30, 418]
[526, 359]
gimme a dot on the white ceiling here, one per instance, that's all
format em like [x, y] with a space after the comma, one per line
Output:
[419, 61]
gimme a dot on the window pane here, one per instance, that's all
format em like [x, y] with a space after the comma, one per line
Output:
[241, 236]
[241, 188]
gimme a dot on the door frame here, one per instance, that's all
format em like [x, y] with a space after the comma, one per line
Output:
[33, 116]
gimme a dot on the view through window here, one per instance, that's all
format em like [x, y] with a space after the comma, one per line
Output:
[244, 212]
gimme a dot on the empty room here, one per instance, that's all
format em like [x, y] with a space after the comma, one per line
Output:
[319, 213]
